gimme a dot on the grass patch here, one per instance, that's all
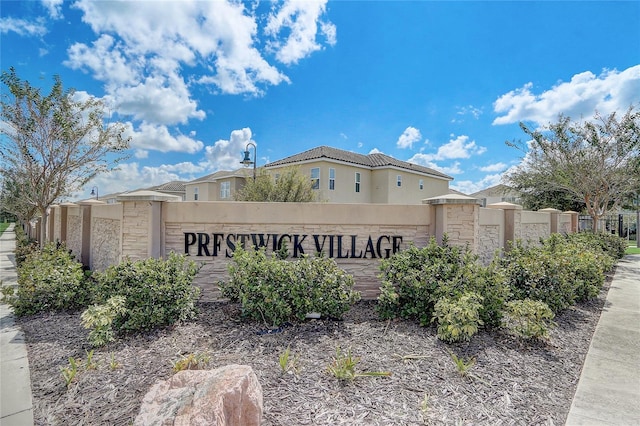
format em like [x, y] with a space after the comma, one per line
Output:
[3, 226]
[632, 250]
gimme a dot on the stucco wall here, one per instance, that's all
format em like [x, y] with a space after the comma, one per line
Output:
[535, 225]
[332, 225]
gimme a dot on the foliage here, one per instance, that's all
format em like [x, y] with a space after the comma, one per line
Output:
[609, 244]
[413, 280]
[596, 162]
[192, 361]
[287, 363]
[50, 279]
[462, 366]
[535, 273]
[561, 270]
[458, 319]
[157, 291]
[24, 245]
[69, 373]
[528, 319]
[100, 319]
[290, 186]
[51, 145]
[276, 291]
[343, 367]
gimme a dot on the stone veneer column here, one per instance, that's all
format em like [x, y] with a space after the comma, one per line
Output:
[142, 233]
[457, 216]
[512, 221]
[64, 210]
[554, 218]
[51, 224]
[85, 217]
[574, 220]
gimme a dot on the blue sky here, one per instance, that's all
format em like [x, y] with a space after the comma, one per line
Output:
[441, 84]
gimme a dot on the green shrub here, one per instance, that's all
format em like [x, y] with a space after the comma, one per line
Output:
[50, 280]
[537, 273]
[276, 291]
[100, 319]
[413, 280]
[528, 319]
[610, 244]
[157, 291]
[458, 319]
[24, 245]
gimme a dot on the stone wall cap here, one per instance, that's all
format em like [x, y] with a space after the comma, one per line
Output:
[452, 199]
[503, 205]
[68, 204]
[549, 210]
[147, 196]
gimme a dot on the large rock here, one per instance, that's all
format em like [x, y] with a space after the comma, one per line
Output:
[229, 395]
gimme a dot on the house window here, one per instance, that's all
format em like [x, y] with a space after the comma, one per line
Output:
[399, 180]
[315, 178]
[225, 190]
[357, 181]
[332, 179]
[421, 184]
[195, 193]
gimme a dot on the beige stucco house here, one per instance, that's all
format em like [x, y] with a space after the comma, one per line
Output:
[339, 177]
[218, 186]
[347, 177]
[497, 194]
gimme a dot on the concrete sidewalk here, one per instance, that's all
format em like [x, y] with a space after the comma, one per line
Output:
[608, 392]
[16, 408]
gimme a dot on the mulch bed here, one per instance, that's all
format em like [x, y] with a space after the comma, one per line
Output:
[512, 383]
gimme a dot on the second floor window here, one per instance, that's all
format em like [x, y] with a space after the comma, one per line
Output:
[225, 190]
[357, 181]
[332, 179]
[399, 180]
[195, 193]
[315, 178]
[421, 184]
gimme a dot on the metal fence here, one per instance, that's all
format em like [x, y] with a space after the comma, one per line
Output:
[623, 224]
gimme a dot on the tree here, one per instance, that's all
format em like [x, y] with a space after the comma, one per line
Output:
[595, 163]
[290, 186]
[53, 145]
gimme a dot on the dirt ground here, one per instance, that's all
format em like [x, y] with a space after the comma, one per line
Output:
[511, 383]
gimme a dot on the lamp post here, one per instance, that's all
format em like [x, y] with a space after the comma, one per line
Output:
[94, 191]
[247, 160]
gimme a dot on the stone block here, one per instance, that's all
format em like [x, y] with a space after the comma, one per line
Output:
[226, 396]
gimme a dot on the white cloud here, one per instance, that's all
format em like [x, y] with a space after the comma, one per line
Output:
[375, 151]
[299, 19]
[581, 97]
[496, 167]
[467, 110]
[22, 27]
[460, 147]
[150, 136]
[410, 136]
[131, 176]
[469, 187]
[226, 154]
[426, 160]
[54, 7]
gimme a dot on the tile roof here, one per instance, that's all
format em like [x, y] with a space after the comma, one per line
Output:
[221, 174]
[176, 185]
[376, 160]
